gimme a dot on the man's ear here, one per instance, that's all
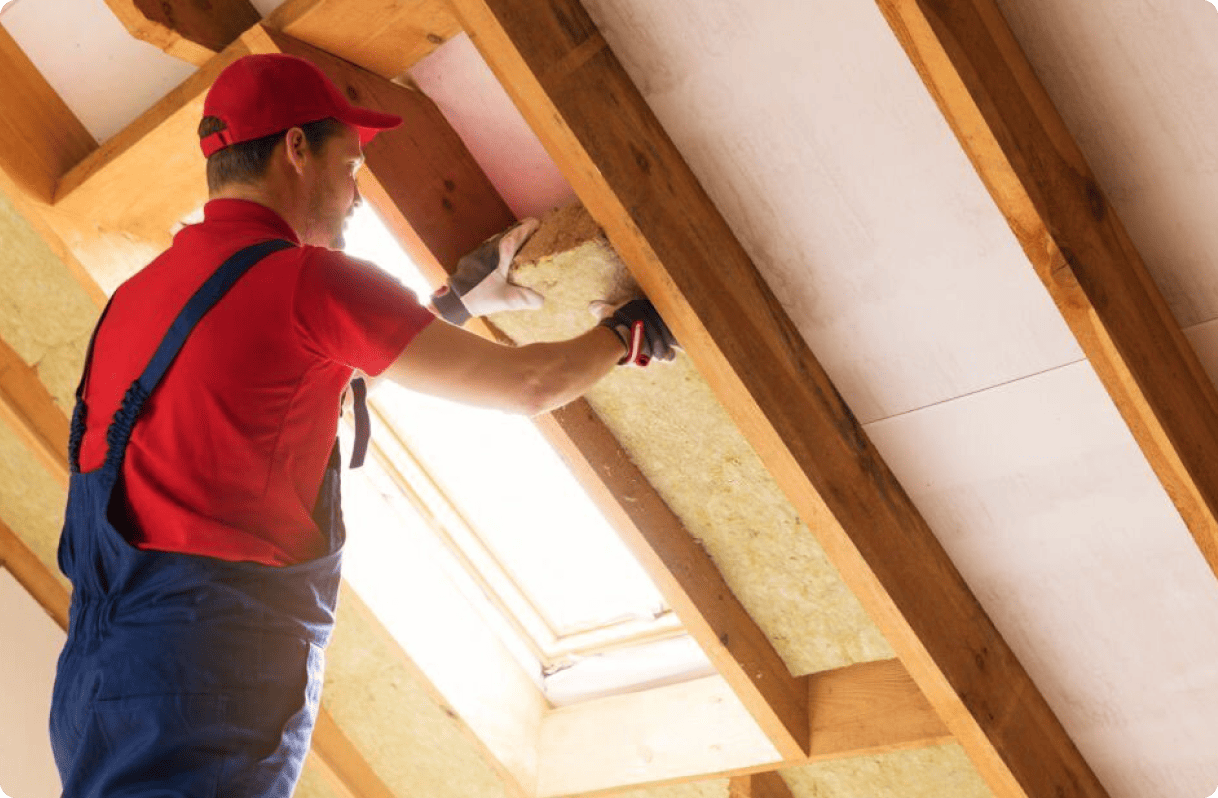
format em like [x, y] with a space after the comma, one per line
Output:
[295, 147]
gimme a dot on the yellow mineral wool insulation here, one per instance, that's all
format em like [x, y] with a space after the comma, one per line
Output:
[31, 500]
[45, 316]
[710, 788]
[682, 439]
[562, 230]
[935, 772]
[415, 746]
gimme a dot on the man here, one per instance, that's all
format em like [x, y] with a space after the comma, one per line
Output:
[203, 530]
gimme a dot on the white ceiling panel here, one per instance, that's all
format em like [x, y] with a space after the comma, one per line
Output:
[1040, 496]
[816, 139]
[1136, 82]
[106, 76]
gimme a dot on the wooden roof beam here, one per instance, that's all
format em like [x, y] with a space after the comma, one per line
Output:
[385, 37]
[28, 409]
[186, 29]
[40, 137]
[107, 212]
[1018, 143]
[592, 119]
[870, 708]
[34, 576]
[759, 785]
[859, 710]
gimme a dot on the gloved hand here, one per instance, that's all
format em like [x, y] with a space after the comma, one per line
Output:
[641, 330]
[480, 284]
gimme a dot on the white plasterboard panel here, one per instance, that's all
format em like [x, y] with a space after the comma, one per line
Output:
[457, 79]
[105, 75]
[1042, 499]
[29, 647]
[1137, 84]
[815, 137]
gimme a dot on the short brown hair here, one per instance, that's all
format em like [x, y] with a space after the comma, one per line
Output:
[247, 161]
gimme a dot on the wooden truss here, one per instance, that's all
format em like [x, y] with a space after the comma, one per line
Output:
[956, 677]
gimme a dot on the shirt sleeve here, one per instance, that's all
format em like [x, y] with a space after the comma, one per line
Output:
[350, 312]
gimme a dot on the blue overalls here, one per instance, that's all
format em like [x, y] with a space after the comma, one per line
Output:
[185, 675]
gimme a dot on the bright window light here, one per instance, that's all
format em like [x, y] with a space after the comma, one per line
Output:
[584, 618]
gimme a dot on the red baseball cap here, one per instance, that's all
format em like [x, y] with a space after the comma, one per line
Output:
[259, 95]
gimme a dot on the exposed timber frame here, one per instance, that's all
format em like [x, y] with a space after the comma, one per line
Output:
[563, 77]
[852, 476]
[758, 785]
[1020, 146]
[385, 37]
[40, 137]
[186, 29]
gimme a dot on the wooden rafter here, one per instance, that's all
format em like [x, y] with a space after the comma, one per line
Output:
[870, 708]
[1003, 117]
[187, 29]
[104, 212]
[758, 785]
[685, 575]
[35, 577]
[343, 763]
[858, 710]
[29, 410]
[40, 137]
[596, 125]
[386, 37]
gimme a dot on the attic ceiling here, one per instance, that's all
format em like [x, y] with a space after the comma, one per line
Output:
[895, 181]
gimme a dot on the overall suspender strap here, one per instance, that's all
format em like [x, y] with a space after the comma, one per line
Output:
[363, 426]
[196, 308]
[203, 300]
[76, 431]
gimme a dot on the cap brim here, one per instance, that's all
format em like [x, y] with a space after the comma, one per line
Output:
[370, 122]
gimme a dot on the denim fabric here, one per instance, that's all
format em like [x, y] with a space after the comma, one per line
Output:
[182, 675]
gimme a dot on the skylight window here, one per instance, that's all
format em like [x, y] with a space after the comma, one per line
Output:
[534, 555]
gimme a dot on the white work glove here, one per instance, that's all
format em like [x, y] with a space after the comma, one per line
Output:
[641, 330]
[480, 284]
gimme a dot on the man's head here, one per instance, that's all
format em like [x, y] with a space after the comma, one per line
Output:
[281, 111]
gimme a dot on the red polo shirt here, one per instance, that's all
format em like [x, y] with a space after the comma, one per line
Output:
[228, 455]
